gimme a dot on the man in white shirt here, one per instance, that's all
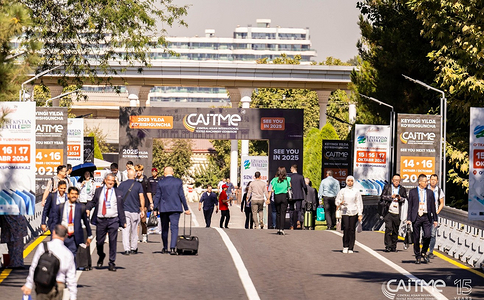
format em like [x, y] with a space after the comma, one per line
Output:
[129, 165]
[439, 204]
[67, 269]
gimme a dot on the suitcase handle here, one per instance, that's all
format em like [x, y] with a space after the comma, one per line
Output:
[184, 223]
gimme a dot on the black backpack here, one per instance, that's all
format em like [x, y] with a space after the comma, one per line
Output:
[46, 271]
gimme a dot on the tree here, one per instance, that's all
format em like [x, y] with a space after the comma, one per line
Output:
[88, 37]
[15, 61]
[173, 153]
[208, 174]
[99, 140]
[313, 151]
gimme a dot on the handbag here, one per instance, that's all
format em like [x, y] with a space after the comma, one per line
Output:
[339, 214]
[359, 227]
[152, 220]
[320, 215]
[289, 191]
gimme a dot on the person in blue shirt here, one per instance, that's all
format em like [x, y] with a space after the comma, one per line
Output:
[328, 189]
[209, 200]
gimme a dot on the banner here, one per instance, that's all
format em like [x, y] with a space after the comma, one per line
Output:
[418, 147]
[476, 165]
[75, 141]
[336, 157]
[371, 158]
[282, 127]
[89, 149]
[51, 141]
[250, 165]
[17, 158]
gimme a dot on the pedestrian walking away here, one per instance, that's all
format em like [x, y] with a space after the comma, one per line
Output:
[170, 201]
[280, 185]
[256, 194]
[328, 189]
[108, 217]
[65, 275]
[351, 204]
[422, 215]
[245, 207]
[310, 204]
[393, 197]
[299, 190]
[209, 201]
[134, 204]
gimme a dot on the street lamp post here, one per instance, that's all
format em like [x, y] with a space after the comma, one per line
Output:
[392, 126]
[60, 96]
[21, 93]
[443, 127]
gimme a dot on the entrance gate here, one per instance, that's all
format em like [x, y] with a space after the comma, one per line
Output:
[283, 128]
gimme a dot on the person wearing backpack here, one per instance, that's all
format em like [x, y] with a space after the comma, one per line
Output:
[52, 267]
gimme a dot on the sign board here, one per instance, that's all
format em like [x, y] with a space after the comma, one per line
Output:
[371, 158]
[17, 158]
[336, 157]
[250, 165]
[89, 149]
[418, 147]
[51, 142]
[75, 141]
[282, 127]
[476, 165]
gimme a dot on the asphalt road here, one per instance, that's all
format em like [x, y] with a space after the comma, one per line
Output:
[300, 265]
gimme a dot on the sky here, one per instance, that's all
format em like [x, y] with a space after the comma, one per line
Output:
[332, 24]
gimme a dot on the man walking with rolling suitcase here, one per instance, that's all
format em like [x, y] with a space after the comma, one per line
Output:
[169, 198]
[310, 204]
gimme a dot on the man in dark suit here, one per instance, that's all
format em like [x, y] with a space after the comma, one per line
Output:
[108, 217]
[422, 215]
[209, 200]
[169, 198]
[299, 191]
[70, 214]
[392, 196]
[50, 208]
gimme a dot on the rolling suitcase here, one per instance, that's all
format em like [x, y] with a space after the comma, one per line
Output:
[83, 258]
[309, 219]
[187, 243]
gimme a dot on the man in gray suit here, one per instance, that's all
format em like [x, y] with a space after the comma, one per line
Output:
[169, 198]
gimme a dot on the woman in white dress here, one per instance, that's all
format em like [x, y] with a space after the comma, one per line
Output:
[351, 205]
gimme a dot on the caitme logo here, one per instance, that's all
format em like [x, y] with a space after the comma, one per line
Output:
[479, 131]
[191, 121]
[417, 136]
[335, 154]
[411, 288]
[46, 128]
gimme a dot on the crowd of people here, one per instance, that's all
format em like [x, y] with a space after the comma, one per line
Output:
[125, 198]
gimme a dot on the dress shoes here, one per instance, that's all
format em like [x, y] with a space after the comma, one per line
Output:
[164, 251]
[100, 260]
[417, 260]
[112, 267]
[135, 251]
[388, 249]
[173, 251]
[126, 252]
[425, 258]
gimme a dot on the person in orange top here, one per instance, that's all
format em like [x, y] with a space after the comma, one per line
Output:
[223, 205]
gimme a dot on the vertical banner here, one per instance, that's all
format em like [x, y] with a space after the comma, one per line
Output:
[418, 147]
[75, 141]
[476, 165]
[89, 149]
[17, 158]
[250, 165]
[371, 158]
[336, 157]
[51, 140]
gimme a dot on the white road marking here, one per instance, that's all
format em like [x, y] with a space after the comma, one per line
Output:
[239, 264]
[67, 295]
[396, 267]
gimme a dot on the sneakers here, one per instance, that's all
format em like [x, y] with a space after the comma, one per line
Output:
[350, 251]
[430, 255]
[345, 250]
[145, 238]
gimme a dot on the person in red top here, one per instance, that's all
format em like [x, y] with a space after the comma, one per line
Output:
[224, 207]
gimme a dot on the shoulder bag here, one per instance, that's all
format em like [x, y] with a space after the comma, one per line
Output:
[289, 191]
